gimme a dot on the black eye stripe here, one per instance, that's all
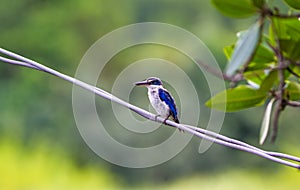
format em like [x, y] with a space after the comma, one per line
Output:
[154, 81]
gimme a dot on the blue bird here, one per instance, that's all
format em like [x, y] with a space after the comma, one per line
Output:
[160, 99]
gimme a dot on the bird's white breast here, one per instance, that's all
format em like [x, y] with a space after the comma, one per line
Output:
[160, 107]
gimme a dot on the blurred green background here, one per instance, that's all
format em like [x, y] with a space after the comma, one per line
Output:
[40, 146]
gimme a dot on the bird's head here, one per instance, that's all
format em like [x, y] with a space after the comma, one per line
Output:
[152, 81]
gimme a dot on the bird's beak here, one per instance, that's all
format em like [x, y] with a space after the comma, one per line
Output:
[142, 83]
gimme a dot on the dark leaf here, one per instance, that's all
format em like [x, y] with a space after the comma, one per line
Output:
[269, 81]
[235, 8]
[293, 91]
[293, 3]
[258, 3]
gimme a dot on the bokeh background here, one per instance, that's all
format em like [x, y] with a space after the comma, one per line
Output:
[40, 146]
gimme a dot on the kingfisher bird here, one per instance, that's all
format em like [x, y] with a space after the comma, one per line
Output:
[160, 99]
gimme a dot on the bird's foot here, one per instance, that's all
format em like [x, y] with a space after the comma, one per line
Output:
[164, 122]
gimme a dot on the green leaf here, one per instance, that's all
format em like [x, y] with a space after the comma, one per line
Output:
[293, 28]
[228, 51]
[291, 49]
[260, 66]
[293, 3]
[263, 58]
[241, 97]
[271, 37]
[265, 125]
[295, 69]
[263, 55]
[258, 3]
[294, 54]
[288, 32]
[235, 8]
[263, 80]
[269, 81]
[278, 29]
[293, 91]
[244, 48]
[254, 78]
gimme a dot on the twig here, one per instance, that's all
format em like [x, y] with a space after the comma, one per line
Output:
[292, 103]
[297, 63]
[275, 13]
[280, 100]
[277, 111]
[236, 78]
[280, 91]
[292, 72]
[202, 133]
[284, 15]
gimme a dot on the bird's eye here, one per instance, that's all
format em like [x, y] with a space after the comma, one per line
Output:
[155, 82]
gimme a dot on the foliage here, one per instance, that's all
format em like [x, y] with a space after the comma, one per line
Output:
[44, 168]
[266, 56]
[57, 34]
[36, 106]
[236, 179]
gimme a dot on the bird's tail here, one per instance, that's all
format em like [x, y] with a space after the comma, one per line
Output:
[176, 120]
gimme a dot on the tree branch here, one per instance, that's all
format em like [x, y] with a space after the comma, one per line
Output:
[275, 13]
[233, 79]
[199, 132]
[280, 91]
[278, 15]
[292, 103]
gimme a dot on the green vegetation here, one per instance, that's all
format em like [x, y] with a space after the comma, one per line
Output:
[42, 167]
[272, 74]
[47, 167]
[237, 179]
[40, 146]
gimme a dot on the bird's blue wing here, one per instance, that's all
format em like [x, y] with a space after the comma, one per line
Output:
[167, 98]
